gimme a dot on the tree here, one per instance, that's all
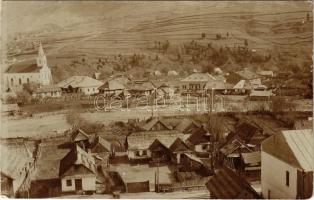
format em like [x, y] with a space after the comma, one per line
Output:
[280, 104]
[203, 35]
[246, 43]
[308, 17]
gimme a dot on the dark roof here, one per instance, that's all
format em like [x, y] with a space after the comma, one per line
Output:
[247, 74]
[103, 143]
[140, 85]
[149, 125]
[24, 67]
[198, 138]
[246, 130]
[185, 125]
[79, 135]
[112, 85]
[233, 145]
[77, 156]
[226, 184]
[294, 147]
[178, 145]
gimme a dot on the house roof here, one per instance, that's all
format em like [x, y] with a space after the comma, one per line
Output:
[29, 66]
[226, 184]
[251, 157]
[79, 82]
[263, 93]
[294, 147]
[199, 77]
[185, 124]
[79, 135]
[142, 140]
[246, 130]
[243, 84]
[47, 88]
[112, 85]
[198, 137]
[77, 156]
[104, 143]
[149, 125]
[266, 73]
[217, 85]
[247, 74]
[178, 145]
[233, 145]
[13, 160]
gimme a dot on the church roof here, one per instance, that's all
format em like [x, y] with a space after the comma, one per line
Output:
[79, 81]
[29, 66]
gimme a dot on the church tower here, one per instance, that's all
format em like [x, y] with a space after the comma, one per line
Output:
[41, 58]
[45, 72]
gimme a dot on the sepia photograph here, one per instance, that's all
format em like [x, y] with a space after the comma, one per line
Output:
[156, 99]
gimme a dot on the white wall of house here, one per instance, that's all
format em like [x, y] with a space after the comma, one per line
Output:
[48, 94]
[89, 90]
[273, 178]
[88, 183]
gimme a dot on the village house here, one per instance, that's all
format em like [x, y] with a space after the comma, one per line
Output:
[47, 91]
[80, 84]
[78, 172]
[149, 145]
[81, 138]
[199, 142]
[139, 88]
[287, 165]
[266, 73]
[243, 87]
[251, 166]
[219, 87]
[226, 184]
[15, 166]
[111, 87]
[196, 82]
[29, 72]
[246, 75]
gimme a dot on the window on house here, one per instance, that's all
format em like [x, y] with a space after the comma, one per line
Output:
[20, 81]
[12, 82]
[287, 178]
[27, 80]
[69, 182]
[137, 153]
[144, 153]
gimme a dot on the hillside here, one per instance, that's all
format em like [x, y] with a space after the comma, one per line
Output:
[107, 40]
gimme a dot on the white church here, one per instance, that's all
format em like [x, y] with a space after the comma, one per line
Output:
[29, 72]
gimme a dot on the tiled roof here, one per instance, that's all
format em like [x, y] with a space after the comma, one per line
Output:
[112, 85]
[79, 82]
[142, 140]
[29, 66]
[199, 77]
[294, 147]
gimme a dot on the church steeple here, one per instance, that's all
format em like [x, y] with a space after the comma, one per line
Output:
[41, 58]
